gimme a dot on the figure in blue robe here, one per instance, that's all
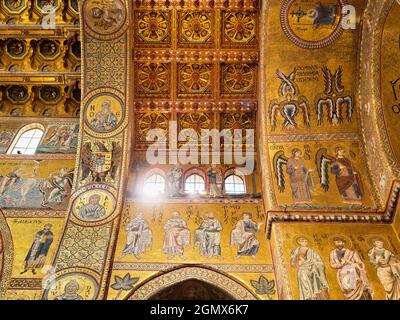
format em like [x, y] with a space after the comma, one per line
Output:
[36, 257]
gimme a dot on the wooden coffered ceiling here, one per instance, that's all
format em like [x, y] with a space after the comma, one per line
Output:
[195, 62]
[39, 67]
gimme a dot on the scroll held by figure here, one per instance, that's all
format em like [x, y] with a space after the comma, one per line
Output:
[244, 236]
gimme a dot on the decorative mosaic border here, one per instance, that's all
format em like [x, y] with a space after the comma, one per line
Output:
[8, 255]
[236, 268]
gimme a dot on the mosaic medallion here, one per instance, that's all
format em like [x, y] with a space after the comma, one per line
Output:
[105, 18]
[95, 205]
[104, 113]
[71, 286]
[312, 24]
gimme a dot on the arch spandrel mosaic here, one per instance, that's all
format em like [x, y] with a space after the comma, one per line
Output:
[389, 77]
[76, 222]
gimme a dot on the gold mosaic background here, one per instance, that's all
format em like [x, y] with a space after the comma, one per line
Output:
[206, 65]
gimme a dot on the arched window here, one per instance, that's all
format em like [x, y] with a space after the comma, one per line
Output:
[234, 185]
[28, 140]
[154, 185]
[194, 184]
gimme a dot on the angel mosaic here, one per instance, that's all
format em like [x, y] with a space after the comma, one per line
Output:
[291, 103]
[299, 174]
[334, 99]
[100, 162]
[348, 178]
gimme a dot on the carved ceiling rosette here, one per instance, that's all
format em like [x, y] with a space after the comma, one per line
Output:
[195, 121]
[41, 5]
[153, 79]
[238, 79]
[14, 6]
[50, 94]
[147, 121]
[194, 79]
[237, 122]
[49, 49]
[153, 27]
[195, 28]
[17, 94]
[16, 48]
[239, 28]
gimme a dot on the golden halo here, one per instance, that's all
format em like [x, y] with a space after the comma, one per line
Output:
[296, 238]
[371, 239]
[348, 242]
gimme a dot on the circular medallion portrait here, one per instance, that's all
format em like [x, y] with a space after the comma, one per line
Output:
[312, 24]
[104, 113]
[94, 205]
[72, 286]
[104, 17]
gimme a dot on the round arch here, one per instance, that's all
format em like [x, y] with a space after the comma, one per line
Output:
[214, 278]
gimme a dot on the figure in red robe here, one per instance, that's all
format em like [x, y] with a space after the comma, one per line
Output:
[348, 179]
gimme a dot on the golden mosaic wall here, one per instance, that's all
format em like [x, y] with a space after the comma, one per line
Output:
[35, 184]
[390, 78]
[214, 64]
[357, 238]
[310, 105]
[226, 259]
